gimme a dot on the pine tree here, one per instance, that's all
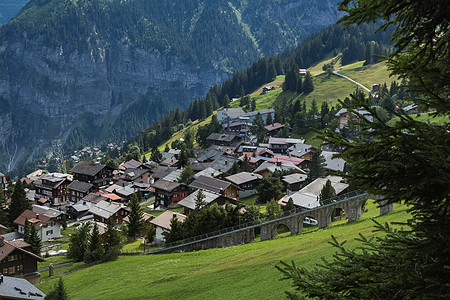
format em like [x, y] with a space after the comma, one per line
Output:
[19, 202]
[246, 164]
[290, 205]
[135, 222]
[308, 85]
[4, 212]
[79, 243]
[27, 231]
[327, 192]
[95, 251]
[187, 175]
[35, 241]
[112, 241]
[176, 231]
[199, 200]
[58, 293]
[316, 167]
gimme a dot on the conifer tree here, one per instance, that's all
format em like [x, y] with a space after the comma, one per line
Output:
[58, 293]
[246, 164]
[308, 85]
[19, 202]
[27, 231]
[112, 241]
[290, 205]
[34, 241]
[176, 231]
[135, 222]
[327, 192]
[199, 200]
[95, 251]
[316, 167]
[79, 243]
[187, 175]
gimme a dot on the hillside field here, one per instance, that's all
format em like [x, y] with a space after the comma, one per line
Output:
[240, 272]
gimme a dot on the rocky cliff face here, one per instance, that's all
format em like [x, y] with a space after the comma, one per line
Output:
[48, 85]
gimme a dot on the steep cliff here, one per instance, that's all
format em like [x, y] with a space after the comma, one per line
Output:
[67, 64]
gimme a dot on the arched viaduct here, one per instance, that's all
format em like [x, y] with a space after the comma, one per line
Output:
[350, 203]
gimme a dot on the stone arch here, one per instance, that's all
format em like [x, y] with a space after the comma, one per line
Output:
[277, 224]
[337, 209]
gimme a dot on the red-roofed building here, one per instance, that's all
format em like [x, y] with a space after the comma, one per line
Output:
[47, 227]
[299, 162]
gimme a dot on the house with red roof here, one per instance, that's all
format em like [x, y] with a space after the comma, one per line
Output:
[47, 227]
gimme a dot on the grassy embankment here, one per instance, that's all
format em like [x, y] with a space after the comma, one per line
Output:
[239, 272]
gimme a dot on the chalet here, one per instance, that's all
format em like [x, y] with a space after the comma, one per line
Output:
[293, 182]
[169, 162]
[299, 162]
[173, 176]
[137, 175]
[266, 153]
[78, 190]
[217, 186]
[247, 183]
[302, 72]
[125, 193]
[97, 174]
[265, 113]
[281, 145]
[105, 210]
[308, 196]
[267, 89]
[168, 192]
[224, 163]
[273, 129]
[210, 198]
[162, 224]
[210, 172]
[198, 166]
[17, 260]
[19, 288]
[55, 213]
[301, 150]
[53, 189]
[222, 139]
[238, 127]
[47, 227]
[162, 171]
[82, 207]
[210, 155]
[133, 164]
[266, 169]
[227, 114]
[411, 109]
[344, 116]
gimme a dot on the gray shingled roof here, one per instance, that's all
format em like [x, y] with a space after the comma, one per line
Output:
[189, 201]
[222, 137]
[86, 168]
[80, 186]
[210, 184]
[19, 288]
[243, 177]
[106, 209]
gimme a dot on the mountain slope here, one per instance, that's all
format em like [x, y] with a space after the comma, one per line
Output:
[68, 63]
[9, 8]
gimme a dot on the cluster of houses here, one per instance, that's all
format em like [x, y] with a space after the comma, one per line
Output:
[96, 192]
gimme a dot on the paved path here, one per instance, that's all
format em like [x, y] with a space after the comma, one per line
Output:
[349, 79]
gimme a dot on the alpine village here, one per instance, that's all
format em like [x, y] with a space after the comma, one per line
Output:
[236, 149]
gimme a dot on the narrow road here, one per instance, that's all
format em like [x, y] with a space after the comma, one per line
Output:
[351, 80]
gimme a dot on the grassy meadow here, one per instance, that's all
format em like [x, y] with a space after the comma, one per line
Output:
[239, 272]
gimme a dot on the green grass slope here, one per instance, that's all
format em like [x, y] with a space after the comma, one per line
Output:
[240, 272]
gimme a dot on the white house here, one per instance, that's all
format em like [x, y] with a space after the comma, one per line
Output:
[162, 224]
[47, 227]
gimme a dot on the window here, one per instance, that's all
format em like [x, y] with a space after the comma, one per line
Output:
[5, 270]
[73, 193]
[11, 270]
[17, 268]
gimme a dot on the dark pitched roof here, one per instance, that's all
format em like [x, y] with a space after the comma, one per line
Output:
[33, 217]
[165, 185]
[132, 164]
[86, 168]
[212, 154]
[222, 137]
[223, 163]
[6, 247]
[162, 171]
[132, 174]
[94, 198]
[274, 126]
[80, 186]
[210, 184]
